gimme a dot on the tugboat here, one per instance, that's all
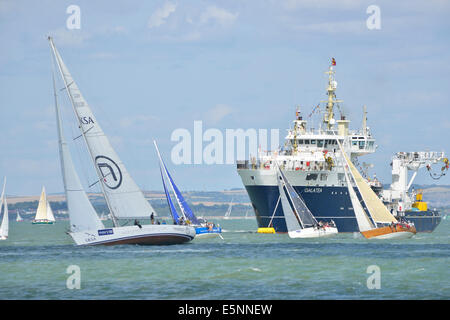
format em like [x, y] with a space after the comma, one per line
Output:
[309, 159]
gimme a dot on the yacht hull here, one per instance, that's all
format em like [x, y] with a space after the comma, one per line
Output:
[313, 233]
[144, 235]
[42, 222]
[396, 232]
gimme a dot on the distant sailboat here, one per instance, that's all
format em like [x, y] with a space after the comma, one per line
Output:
[228, 213]
[299, 220]
[377, 213]
[203, 228]
[124, 198]
[44, 213]
[18, 218]
[4, 228]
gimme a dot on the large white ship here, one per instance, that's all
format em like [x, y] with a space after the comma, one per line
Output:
[312, 162]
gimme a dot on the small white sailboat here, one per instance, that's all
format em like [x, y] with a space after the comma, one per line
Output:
[124, 198]
[18, 218]
[299, 220]
[44, 213]
[378, 222]
[4, 228]
[228, 213]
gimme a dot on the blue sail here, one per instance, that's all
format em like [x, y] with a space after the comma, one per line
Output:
[173, 211]
[183, 204]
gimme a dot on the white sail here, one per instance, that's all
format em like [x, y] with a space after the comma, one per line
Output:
[4, 228]
[292, 221]
[228, 213]
[41, 212]
[18, 218]
[374, 205]
[82, 215]
[50, 216]
[364, 223]
[123, 196]
[377, 210]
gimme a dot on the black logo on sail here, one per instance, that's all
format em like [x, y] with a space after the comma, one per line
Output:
[110, 171]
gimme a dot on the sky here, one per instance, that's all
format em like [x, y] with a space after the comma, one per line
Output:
[148, 68]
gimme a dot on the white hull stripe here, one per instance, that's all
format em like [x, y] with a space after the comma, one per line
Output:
[136, 237]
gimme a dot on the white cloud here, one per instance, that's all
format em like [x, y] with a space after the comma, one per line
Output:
[220, 111]
[219, 15]
[342, 4]
[353, 27]
[71, 38]
[160, 15]
[136, 120]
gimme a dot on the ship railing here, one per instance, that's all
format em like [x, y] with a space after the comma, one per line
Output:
[288, 165]
[421, 155]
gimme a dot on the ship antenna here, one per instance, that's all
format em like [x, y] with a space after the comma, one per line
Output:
[328, 119]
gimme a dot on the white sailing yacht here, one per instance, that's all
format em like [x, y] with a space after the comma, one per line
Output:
[4, 228]
[18, 218]
[377, 213]
[124, 198]
[300, 222]
[228, 213]
[44, 213]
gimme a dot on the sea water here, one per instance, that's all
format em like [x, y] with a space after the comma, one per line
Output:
[37, 262]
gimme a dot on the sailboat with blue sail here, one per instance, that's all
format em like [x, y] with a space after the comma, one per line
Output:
[203, 228]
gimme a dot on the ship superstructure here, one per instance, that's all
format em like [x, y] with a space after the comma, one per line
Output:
[405, 202]
[312, 162]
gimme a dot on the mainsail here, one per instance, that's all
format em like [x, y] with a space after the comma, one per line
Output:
[82, 215]
[296, 213]
[41, 212]
[124, 198]
[4, 228]
[362, 219]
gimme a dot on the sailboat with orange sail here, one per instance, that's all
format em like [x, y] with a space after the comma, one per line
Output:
[374, 219]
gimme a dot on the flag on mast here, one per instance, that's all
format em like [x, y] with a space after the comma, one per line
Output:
[333, 62]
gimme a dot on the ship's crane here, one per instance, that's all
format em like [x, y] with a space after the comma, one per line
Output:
[402, 162]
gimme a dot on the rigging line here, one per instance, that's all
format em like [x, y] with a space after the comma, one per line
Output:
[67, 86]
[99, 180]
[275, 210]
[83, 133]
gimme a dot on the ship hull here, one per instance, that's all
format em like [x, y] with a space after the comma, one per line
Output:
[326, 204]
[424, 221]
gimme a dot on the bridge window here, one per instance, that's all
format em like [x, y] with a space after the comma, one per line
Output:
[311, 176]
